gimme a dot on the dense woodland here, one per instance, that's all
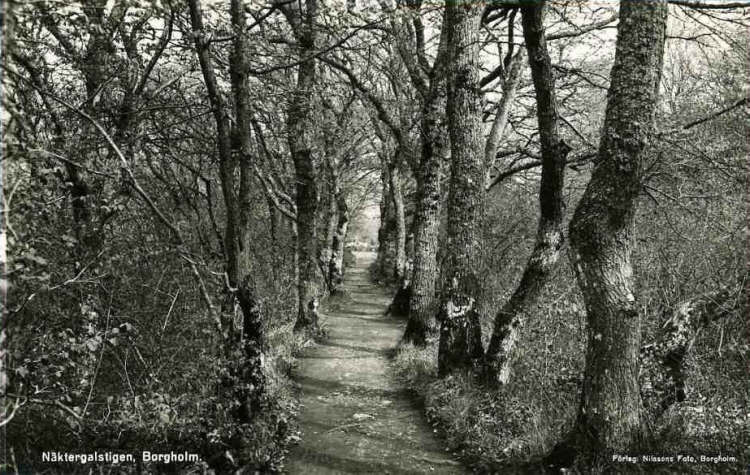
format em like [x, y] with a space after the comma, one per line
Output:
[556, 192]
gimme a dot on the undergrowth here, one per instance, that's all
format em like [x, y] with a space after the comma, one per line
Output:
[489, 430]
[196, 421]
[511, 429]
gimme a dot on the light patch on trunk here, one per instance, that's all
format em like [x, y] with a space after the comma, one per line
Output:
[553, 240]
[504, 374]
[453, 311]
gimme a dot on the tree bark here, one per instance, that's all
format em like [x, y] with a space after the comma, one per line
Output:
[434, 136]
[549, 239]
[385, 262]
[336, 267]
[227, 167]
[497, 132]
[306, 199]
[394, 182]
[330, 223]
[274, 235]
[460, 344]
[252, 380]
[339, 225]
[610, 417]
[247, 371]
[251, 384]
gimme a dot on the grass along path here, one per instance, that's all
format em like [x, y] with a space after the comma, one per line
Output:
[356, 418]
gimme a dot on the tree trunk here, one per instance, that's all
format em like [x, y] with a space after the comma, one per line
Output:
[295, 250]
[394, 182]
[336, 267]
[610, 417]
[227, 167]
[549, 239]
[422, 301]
[339, 226]
[247, 371]
[273, 220]
[460, 335]
[251, 379]
[497, 132]
[386, 246]
[400, 304]
[330, 223]
[306, 199]
[274, 235]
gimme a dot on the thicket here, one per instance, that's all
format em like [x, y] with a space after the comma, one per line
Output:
[118, 353]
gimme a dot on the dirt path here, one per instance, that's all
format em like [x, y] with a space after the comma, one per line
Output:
[355, 417]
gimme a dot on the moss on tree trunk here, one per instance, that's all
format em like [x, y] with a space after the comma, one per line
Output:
[610, 417]
[460, 344]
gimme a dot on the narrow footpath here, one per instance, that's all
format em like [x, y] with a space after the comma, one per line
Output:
[356, 418]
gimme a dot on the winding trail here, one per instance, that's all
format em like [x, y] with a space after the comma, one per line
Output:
[355, 417]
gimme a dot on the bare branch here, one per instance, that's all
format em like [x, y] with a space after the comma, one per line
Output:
[578, 31]
[742, 102]
[709, 4]
[383, 114]
[500, 177]
[163, 41]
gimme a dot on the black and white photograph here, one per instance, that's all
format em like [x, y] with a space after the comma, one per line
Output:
[375, 237]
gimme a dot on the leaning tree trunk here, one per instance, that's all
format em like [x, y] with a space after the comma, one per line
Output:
[306, 199]
[549, 239]
[227, 168]
[422, 300]
[610, 417]
[460, 335]
[510, 87]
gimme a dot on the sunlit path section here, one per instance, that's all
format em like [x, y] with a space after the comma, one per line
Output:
[355, 417]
